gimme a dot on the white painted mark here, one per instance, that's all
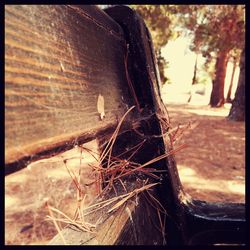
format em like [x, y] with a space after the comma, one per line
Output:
[129, 214]
[132, 222]
[62, 67]
[100, 106]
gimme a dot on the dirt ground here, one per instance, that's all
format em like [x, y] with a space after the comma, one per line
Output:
[46, 182]
[212, 167]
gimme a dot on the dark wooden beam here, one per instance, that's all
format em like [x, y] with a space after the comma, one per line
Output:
[59, 61]
[144, 82]
[134, 223]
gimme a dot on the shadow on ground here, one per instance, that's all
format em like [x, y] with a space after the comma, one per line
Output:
[212, 167]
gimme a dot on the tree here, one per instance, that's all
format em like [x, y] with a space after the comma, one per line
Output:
[159, 20]
[228, 98]
[217, 95]
[216, 29]
[237, 112]
[235, 58]
[194, 80]
[162, 63]
[228, 34]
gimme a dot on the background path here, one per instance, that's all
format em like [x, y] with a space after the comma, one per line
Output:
[212, 167]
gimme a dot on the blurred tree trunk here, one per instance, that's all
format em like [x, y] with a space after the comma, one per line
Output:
[195, 70]
[228, 99]
[237, 112]
[217, 96]
[161, 66]
[194, 80]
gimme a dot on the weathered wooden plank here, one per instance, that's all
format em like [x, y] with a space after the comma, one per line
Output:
[99, 17]
[143, 72]
[58, 61]
[185, 218]
[143, 226]
[132, 224]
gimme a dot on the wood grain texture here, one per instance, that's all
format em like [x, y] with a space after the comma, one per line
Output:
[129, 225]
[58, 60]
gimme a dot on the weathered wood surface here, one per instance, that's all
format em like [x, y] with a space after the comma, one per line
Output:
[143, 71]
[184, 217]
[146, 228]
[134, 223]
[58, 61]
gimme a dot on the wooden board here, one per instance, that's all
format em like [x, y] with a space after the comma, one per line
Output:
[131, 224]
[59, 61]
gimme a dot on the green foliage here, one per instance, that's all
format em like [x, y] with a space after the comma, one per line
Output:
[209, 66]
[216, 30]
[159, 20]
[214, 27]
[234, 55]
[162, 64]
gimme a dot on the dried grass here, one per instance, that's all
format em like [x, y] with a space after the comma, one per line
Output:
[115, 170]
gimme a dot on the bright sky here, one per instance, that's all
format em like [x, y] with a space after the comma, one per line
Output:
[181, 62]
[181, 68]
